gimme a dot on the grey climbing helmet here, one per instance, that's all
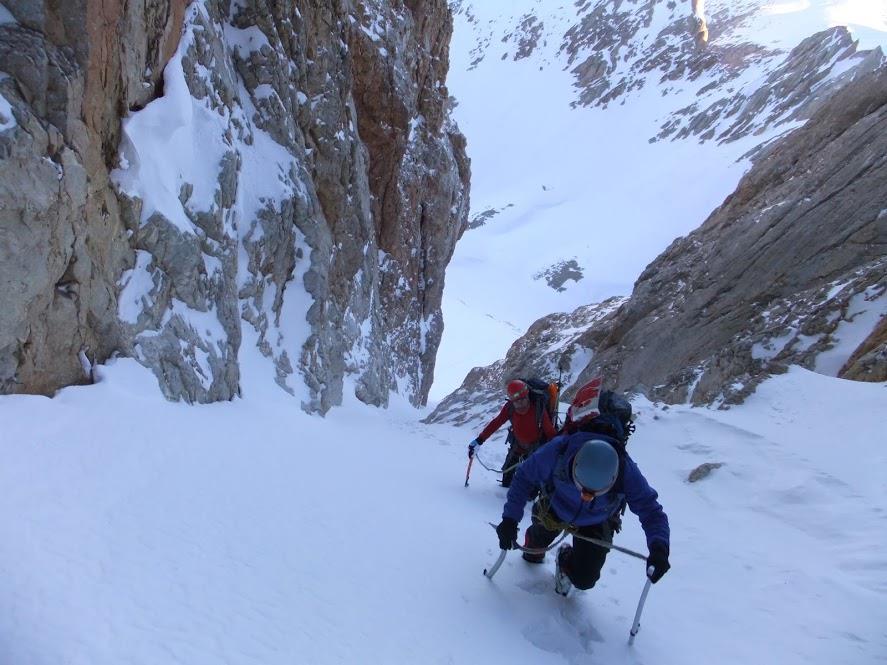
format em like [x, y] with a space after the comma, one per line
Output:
[595, 468]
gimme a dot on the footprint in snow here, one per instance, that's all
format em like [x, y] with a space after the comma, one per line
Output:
[573, 614]
[696, 448]
[571, 635]
[537, 587]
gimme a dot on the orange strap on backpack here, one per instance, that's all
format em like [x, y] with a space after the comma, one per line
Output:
[553, 394]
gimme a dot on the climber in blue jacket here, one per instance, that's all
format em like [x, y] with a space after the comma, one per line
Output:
[583, 480]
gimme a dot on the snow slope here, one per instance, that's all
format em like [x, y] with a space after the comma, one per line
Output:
[586, 184]
[140, 531]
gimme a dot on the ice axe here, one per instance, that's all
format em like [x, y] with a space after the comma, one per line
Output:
[636, 626]
[489, 572]
[468, 470]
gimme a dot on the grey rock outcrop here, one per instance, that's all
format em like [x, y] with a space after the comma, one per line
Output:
[481, 218]
[788, 270]
[610, 60]
[561, 272]
[869, 361]
[556, 346]
[62, 241]
[286, 174]
[808, 76]
[703, 471]
[616, 50]
[775, 273]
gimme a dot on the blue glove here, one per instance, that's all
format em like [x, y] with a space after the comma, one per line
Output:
[471, 446]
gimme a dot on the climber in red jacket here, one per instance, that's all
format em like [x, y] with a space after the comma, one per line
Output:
[529, 429]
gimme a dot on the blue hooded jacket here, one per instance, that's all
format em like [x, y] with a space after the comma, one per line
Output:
[549, 469]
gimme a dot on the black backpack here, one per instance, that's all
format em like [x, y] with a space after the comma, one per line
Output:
[615, 419]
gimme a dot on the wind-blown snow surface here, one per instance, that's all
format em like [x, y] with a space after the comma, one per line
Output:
[140, 531]
[585, 183]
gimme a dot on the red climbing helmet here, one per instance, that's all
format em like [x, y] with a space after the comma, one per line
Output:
[517, 390]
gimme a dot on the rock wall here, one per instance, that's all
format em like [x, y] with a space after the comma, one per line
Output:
[556, 347]
[695, 57]
[777, 273]
[286, 173]
[67, 71]
[790, 270]
[793, 90]
[774, 274]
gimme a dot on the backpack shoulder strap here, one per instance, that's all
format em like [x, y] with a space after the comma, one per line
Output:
[619, 445]
[561, 451]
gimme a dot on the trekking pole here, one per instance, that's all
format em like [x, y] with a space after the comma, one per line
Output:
[636, 626]
[570, 532]
[468, 470]
[611, 546]
[488, 573]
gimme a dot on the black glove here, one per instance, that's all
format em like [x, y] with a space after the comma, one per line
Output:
[507, 532]
[471, 446]
[658, 561]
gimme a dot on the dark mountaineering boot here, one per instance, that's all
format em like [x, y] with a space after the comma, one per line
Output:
[530, 557]
[562, 583]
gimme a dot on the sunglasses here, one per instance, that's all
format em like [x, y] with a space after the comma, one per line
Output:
[520, 399]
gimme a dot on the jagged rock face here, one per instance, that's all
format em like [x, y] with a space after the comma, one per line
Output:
[810, 74]
[419, 174]
[555, 347]
[797, 252]
[483, 217]
[617, 48]
[610, 61]
[792, 265]
[298, 177]
[869, 361]
[65, 77]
